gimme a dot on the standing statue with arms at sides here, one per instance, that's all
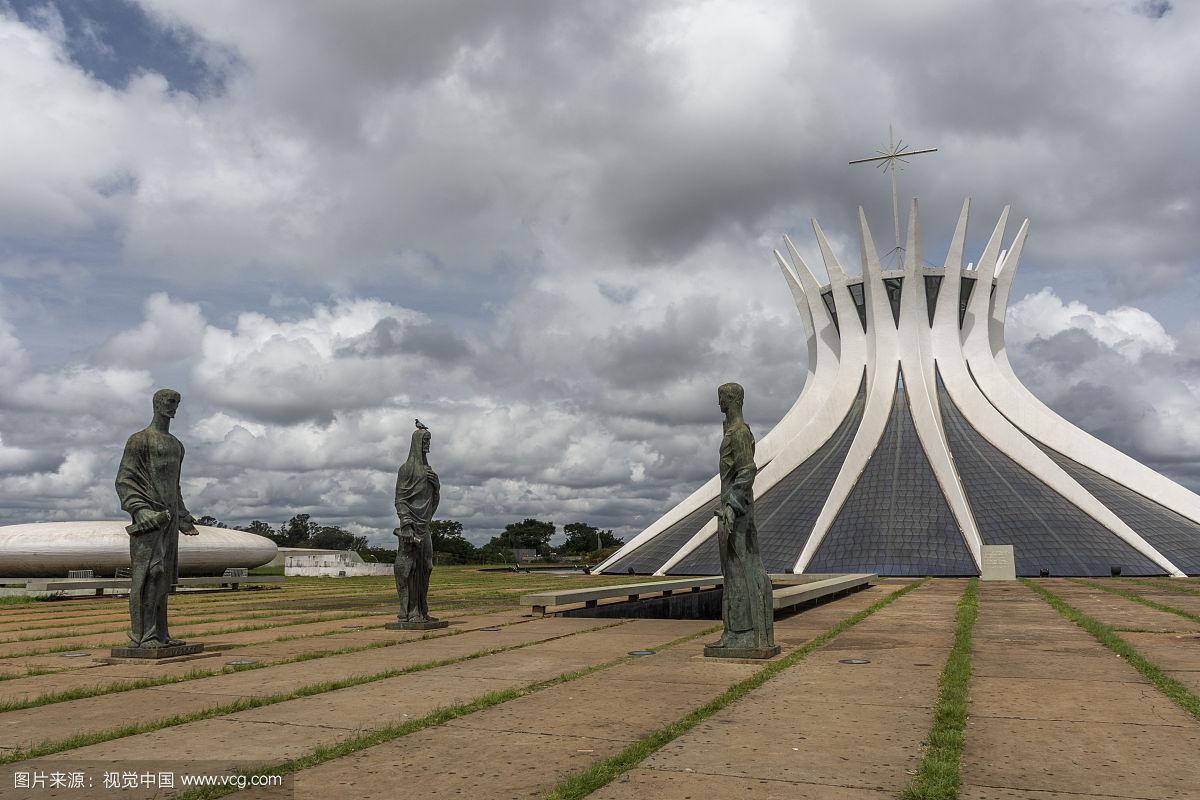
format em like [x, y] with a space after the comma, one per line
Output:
[746, 606]
[418, 491]
[148, 486]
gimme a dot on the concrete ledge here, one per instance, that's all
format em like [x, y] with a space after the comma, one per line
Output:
[816, 589]
[540, 601]
[98, 585]
[685, 598]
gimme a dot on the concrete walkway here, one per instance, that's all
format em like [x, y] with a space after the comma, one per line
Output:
[1056, 716]
[523, 748]
[30, 726]
[822, 729]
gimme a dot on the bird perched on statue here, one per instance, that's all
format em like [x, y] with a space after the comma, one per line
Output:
[420, 425]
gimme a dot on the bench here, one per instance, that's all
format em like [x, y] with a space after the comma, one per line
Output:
[540, 601]
[791, 590]
[823, 586]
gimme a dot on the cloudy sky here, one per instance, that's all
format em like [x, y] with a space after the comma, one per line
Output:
[545, 228]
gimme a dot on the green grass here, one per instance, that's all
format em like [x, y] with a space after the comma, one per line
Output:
[1109, 638]
[1137, 598]
[440, 716]
[16, 600]
[245, 704]
[939, 775]
[583, 783]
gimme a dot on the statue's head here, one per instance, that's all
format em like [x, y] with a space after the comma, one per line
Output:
[420, 441]
[166, 402]
[730, 395]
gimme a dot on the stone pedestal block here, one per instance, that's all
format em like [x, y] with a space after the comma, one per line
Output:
[416, 626]
[740, 652]
[156, 653]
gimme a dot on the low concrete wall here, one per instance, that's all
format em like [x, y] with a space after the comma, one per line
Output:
[333, 565]
[705, 604]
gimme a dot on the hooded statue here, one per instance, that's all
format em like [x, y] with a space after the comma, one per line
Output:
[418, 491]
[148, 487]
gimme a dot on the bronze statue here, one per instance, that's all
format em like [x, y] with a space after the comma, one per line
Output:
[148, 486]
[746, 606]
[418, 491]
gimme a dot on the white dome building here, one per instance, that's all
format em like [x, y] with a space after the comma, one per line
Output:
[913, 444]
[51, 549]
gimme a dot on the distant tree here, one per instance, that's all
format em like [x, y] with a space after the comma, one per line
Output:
[493, 552]
[261, 528]
[211, 522]
[296, 531]
[531, 534]
[331, 537]
[583, 538]
[447, 535]
[383, 555]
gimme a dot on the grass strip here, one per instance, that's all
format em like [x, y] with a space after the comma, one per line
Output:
[84, 645]
[940, 772]
[439, 716]
[247, 703]
[1109, 638]
[85, 692]
[581, 784]
[1137, 598]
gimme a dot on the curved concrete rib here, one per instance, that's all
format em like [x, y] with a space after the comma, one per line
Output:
[844, 351]
[881, 392]
[989, 363]
[916, 364]
[821, 337]
[983, 416]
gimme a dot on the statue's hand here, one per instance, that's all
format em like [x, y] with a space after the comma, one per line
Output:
[144, 516]
[188, 529]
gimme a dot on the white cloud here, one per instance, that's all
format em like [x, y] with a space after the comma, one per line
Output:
[1129, 331]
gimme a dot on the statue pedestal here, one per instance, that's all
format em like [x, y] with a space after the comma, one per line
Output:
[156, 654]
[417, 626]
[740, 652]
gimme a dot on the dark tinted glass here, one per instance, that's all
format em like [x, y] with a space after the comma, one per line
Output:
[1011, 506]
[896, 520]
[933, 283]
[1173, 535]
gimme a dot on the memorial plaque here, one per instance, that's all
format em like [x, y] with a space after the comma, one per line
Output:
[998, 561]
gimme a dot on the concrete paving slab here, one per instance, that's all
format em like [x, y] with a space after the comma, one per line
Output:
[375, 705]
[1120, 612]
[1067, 724]
[1116, 759]
[320, 719]
[429, 773]
[60, 720]
[849, 729]
[811, 741]
[640, 784]
[1075, 700]
[995, 793]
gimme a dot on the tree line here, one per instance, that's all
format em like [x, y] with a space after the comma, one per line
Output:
[583, 540]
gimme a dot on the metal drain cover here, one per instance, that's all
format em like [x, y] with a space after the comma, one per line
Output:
[854, 661]
[240, 662]
[76, 654]
[490, 629]
[641, 652]
[352, 627]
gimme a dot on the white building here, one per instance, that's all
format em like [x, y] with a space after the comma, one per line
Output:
[913, 443]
